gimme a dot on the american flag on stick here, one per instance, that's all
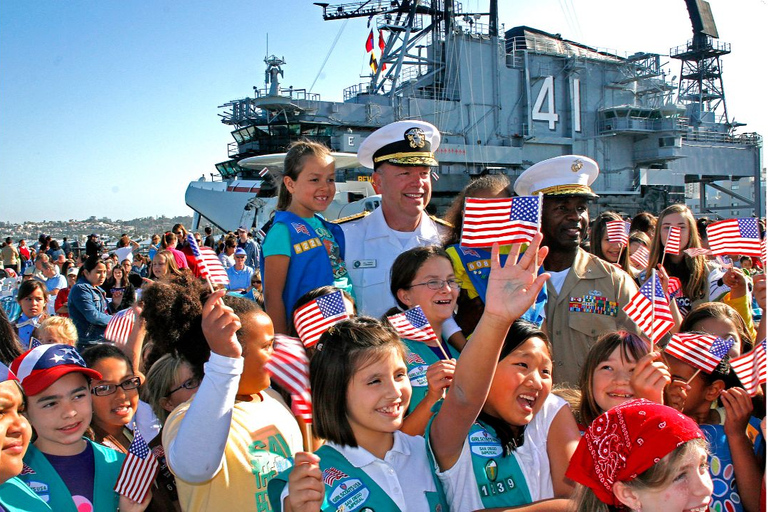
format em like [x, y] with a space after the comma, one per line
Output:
[735, 236]
[506, 221]
[435, 175]
[702, 351]
[639, 258]
[208, 264]
[289, 367]
[139, 469]
[263, 172]
[697, 251]
[120, 326]
[618, 231]
[673, 241]
[649, 309]
[316, 317]
[750, 368]
[412, 324]
[675, 287]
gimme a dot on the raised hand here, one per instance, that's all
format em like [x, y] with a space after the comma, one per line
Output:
[220, 323]
[305, 484]
[513, 288]
[650, 378]
[738, 410]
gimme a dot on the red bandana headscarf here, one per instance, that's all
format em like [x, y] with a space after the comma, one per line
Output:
[624, 442]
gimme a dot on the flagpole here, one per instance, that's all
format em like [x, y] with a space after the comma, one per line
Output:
[442, 349]
[308, 437]
[693, 376]
[620, 251]
[664, 252]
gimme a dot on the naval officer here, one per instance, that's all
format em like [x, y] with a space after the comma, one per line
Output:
[401, 155]
[585, 294]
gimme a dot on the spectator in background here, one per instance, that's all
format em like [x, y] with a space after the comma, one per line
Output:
[60, 305]
[170, 242]
[11, 256]
[645, 222]
[209, 240]
[125, 248]
[93, 246]
[139, 265]
[227, 256]
[240, 274]
[54, 281]
[54, 251]
[66, 247]
[247, 244]
[154, 246]
[23, 249]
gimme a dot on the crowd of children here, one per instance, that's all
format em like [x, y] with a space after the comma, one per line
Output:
[469, 419]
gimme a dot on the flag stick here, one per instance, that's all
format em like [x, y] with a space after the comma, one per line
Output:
[442, 349]
[664, 252]
[620, 251]
[693, 376]
[308, 437]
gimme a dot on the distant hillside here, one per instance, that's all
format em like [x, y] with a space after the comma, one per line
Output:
[109, 230]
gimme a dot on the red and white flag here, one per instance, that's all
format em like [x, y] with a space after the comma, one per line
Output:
[289, 367]
[639, 258]
[506, 221]
[208, 264]
[673, 241]
[314, 318]
[697, 251]
[120, 326]
[618, 231]
[263, 172]
[735, 236]
[138, 471]
[750, 368]
[649, 309]
[702, 351]
[413, 325]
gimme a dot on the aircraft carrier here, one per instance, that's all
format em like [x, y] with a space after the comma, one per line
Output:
[506, 99]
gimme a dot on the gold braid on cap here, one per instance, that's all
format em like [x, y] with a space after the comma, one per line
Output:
[562, 190]
[414, 156]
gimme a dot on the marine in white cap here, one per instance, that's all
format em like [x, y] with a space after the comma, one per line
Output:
[401, 155]
[585, 294]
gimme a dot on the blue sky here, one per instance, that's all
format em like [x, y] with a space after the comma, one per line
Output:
[110, 108]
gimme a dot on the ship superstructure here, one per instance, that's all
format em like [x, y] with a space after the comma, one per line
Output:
[505, 99]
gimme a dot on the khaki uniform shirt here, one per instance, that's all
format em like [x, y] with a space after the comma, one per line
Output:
[589, 305]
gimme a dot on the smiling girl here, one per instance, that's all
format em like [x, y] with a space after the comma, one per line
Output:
[302, 251]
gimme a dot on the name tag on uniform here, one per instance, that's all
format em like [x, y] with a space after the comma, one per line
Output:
[364, 264]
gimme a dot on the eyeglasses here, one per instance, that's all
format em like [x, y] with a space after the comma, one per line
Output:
[192, 383]
[438, 284]
[110, 389]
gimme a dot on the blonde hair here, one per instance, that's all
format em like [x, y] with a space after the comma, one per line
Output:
[61, 327]
[695, 284]
[160, 379]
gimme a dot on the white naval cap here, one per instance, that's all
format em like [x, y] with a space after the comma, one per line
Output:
[568, 175]
[408, 143]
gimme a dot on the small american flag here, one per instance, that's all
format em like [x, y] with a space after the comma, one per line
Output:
[675, 287]
[208, 264]
[697, 251]
[300, 228]
[435, 176]
[414, 358]
[618, 231]
[750, 368]
[639, 258]
[673, 241]
[289, 367]
[315, 317]
[120, 326]
[735, 236]
[138, 471]
[413, 325]
[506, 221]
[330, 475]
[263, 172]
[702, 351]
[34, 342]
[649, 309]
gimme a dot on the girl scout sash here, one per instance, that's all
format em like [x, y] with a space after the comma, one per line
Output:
[418, 357]
[48, 485]
[16, 496]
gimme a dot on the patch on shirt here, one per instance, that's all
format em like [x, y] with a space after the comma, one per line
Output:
[593, 304]
[471, 252]
[41, 489]
[482, 443]
[349, 495]
[330, 475]
[300, 228]
[418, 376]
[479, 265]
[364, 264]
[307, 245]
[414, 358]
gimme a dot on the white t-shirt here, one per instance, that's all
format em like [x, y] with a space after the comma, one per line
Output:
[556, 279]
[124, 253]
[459, 481]
[404, 474]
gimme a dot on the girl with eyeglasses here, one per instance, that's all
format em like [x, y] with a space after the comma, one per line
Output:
[116, 406]
[423, 276]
